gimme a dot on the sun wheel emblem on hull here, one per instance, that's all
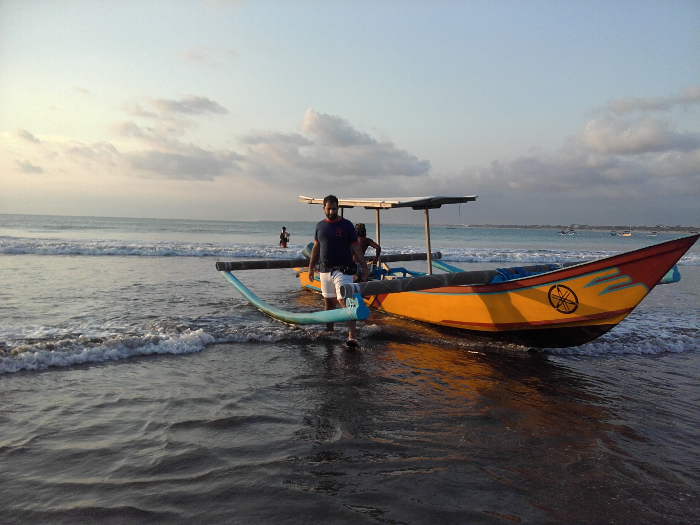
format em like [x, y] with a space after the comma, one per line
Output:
[563, 299]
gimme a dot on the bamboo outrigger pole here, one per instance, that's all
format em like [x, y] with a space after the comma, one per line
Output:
[269, 264]
[440, 280]
[355, 310]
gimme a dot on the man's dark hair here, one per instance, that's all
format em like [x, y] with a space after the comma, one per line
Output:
[330, 198]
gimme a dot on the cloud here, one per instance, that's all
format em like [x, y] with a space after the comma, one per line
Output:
[286, 139]
[585, 166]
[206, 56]
[611, 157]
[216, 3]
[100, 153]
[135, 110]
[25, 135]
[566, 171]
[191, 164]
[160, 151]
[200, 55]
[624, 106]
[190, 105]
[333, 131]
[127, 129]
[678, 165]
[329, 148]
[27, 167]
[617, 136]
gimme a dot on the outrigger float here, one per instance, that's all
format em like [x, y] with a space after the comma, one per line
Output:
[547, 305]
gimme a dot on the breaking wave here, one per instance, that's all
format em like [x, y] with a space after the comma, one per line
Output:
[33, 246]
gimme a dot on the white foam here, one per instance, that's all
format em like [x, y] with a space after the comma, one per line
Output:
[27, 358]
[33, 246]
[646, 333]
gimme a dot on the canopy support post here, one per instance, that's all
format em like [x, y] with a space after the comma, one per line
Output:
[377, 222]
[427, 241]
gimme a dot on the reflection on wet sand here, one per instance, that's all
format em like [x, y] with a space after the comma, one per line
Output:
[416, 432]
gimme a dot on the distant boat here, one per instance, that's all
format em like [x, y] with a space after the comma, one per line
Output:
[567, 232]
[613, 233]
[626, 233]
[653, 234]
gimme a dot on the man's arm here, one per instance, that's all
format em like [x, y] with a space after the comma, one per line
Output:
[313, 260]
[377, 249]
[357, 251]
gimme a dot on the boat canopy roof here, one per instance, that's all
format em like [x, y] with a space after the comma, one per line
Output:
[417, 203]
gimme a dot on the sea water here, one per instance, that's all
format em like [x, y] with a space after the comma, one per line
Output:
[137, 386]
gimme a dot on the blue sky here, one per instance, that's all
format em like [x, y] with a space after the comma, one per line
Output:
[551, 112]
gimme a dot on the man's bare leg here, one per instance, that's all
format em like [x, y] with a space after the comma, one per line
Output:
[352, 325]
[331, 303]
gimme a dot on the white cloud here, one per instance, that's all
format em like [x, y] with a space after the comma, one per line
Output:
[614, 164]
[329, 149]
[159, 151]
[127, 129]
[27, 167]
[25, 135]
[134, 109]
[189, 164]
[98, 154]
[206, 56]
[190, 105]
[333, 131]
[624, 106]
[618, 136]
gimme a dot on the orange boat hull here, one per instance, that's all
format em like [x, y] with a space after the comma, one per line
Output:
[566, 307]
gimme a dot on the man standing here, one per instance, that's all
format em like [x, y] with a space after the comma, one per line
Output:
[284, 237]
[335, 243]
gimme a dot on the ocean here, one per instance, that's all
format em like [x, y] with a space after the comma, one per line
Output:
[137, 386]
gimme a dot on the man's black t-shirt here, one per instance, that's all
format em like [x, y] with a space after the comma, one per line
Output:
[335, 239]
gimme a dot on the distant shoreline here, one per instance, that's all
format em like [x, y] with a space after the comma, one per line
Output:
[576, 227]
[579, 227]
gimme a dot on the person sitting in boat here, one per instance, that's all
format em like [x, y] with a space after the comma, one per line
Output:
[284, 237]
[335, 243]
[366, 242]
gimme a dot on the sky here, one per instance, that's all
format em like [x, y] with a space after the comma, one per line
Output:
[551, 112]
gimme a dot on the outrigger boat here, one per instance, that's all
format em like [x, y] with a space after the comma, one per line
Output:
[551, 305]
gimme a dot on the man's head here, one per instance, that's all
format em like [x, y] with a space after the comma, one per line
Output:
[284, 228]
[330, 198]
[361, 230]
[330, 207]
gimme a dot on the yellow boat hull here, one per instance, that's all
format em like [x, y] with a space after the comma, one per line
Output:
[566, 307]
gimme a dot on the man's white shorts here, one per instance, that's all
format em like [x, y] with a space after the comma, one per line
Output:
[331, 282]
